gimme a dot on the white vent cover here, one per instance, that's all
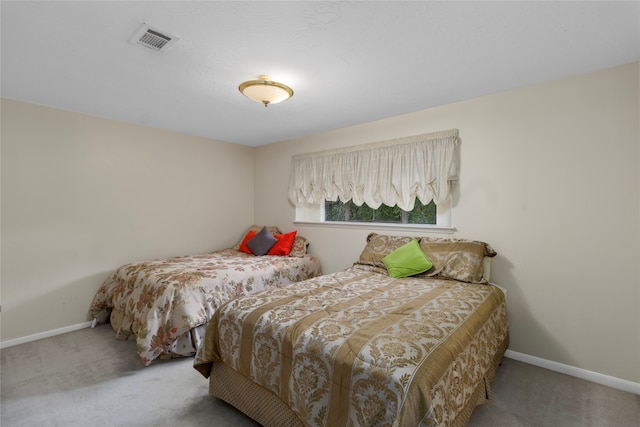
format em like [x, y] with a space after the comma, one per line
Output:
[153, 38]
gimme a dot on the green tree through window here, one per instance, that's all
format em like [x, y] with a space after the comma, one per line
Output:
[349, 212]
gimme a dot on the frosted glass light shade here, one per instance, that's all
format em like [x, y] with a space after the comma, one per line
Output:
[265, 91]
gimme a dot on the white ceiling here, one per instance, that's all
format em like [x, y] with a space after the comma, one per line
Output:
[348, 62]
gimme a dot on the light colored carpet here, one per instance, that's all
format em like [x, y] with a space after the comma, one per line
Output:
[88, 378]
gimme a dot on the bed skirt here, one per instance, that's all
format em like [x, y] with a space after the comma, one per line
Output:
[269, 410]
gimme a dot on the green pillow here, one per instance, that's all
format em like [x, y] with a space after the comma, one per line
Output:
[407, 260]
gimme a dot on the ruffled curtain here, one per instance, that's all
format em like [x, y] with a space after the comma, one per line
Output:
[392, 172]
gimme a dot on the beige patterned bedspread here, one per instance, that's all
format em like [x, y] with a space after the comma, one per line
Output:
[164, 299]
[361, 348]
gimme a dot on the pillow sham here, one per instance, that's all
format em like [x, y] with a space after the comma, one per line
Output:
[261, 242]
[407, 260]
[457, 259]
[299, 248]
[379, 246]
[284, 243]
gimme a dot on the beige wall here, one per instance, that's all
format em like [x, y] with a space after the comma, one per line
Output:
[549, 177]
[82, 195]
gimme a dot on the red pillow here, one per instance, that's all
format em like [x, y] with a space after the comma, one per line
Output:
[283, 245]
[243, 246]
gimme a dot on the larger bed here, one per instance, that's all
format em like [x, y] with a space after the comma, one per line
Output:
[165, 304]
[362, 348]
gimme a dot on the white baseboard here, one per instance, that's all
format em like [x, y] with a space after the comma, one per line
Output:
[613, 382]
[47, 334]
[606, 380]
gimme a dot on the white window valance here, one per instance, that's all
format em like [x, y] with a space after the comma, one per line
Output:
[392, 172]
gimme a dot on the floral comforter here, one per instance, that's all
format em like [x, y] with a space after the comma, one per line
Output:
[160, 302]
[361, 348]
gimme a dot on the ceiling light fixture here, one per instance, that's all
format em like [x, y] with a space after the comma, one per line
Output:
[265, 91]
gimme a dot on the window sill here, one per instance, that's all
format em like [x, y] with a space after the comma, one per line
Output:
[379, 226]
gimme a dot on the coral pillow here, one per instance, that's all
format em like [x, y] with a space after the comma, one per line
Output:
[243, 245]
[284, 244]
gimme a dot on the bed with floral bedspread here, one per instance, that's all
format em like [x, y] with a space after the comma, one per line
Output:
[165, 304]
[361, 348]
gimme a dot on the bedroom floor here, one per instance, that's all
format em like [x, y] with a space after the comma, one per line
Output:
[87, 377]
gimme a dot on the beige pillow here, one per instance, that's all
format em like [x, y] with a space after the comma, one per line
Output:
[299, 248]
[378, 246]
[457, 259]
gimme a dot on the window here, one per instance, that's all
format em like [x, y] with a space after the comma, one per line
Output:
[397, 172]
[350, 212]
[333, 214]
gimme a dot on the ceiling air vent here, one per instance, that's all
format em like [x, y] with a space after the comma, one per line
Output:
[153, 38]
